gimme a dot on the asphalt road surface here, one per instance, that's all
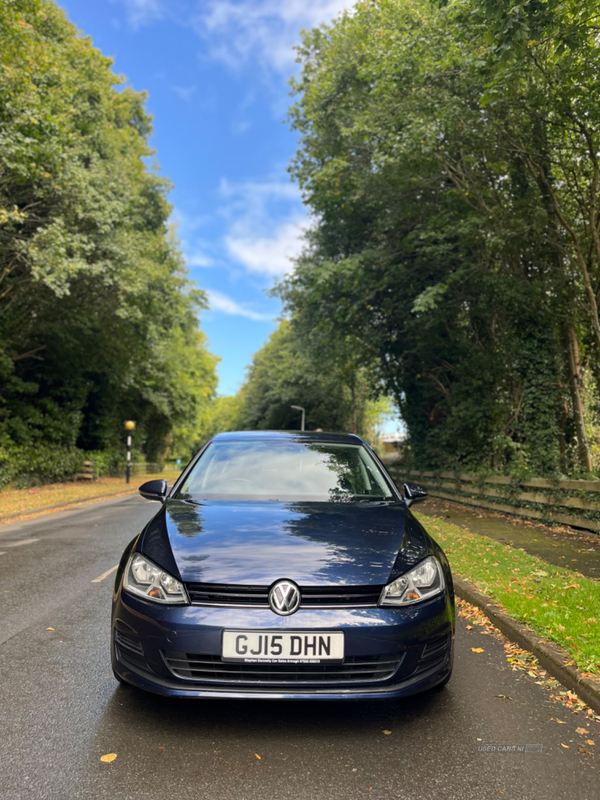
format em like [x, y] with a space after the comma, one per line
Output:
[61, 709]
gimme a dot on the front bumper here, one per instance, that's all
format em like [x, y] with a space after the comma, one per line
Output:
[419, 637]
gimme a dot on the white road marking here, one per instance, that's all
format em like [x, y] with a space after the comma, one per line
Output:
[105, 574]
[18, 544]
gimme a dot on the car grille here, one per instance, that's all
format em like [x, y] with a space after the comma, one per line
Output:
[237, 596]
[355, 669]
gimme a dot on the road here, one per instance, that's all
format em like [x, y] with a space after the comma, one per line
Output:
[61, 709]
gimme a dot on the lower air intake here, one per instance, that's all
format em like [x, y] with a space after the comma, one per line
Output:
[355, 669]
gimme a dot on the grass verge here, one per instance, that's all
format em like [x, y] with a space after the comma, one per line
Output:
[559, 604]
[27, 501]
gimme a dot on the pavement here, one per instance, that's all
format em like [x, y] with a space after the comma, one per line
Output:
[61, 710]
[560, 545]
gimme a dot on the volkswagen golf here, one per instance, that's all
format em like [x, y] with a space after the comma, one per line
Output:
[283, 565]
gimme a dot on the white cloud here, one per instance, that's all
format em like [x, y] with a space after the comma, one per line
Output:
[239, 30]
[199, 260]
[270, 255]
[239, 128]
[266, 225]
[143, 12]
[256, 193]
[184, 92]
[187, 223]
[227, 305]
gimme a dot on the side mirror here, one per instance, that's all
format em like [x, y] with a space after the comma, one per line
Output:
[413, 493]
[154, 490]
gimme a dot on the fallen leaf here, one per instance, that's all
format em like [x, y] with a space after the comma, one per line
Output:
[161, 747]
[477, 649]
[387, 732]
[108, 758]
[256, 754]
[581, 731]
[590, 741]
[49, 629]
[560, 722]
[566, 746]
[469, 627]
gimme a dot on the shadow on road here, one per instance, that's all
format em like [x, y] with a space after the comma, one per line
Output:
[217, 744]
[153, 712]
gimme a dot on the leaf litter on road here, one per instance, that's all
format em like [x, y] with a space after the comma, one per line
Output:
[521, 660]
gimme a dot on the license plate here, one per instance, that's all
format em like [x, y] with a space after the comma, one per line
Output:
[291, 647]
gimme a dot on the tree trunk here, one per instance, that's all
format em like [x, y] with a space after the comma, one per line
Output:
[575, 385]
[354, 410]
[562, 439]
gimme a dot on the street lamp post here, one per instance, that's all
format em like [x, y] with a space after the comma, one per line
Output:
[300, 408]
[129, 426]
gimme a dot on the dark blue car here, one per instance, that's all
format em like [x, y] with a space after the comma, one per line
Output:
[283, 565]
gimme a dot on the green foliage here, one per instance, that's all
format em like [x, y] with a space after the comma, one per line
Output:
[223, 414]
[27, 466]
[98, 321]
[449, 154]
[557, 603]
[291, 369]
[281, 375]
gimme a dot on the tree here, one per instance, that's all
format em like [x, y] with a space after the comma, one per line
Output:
[98, 321]
[446, 161]
[288, 371]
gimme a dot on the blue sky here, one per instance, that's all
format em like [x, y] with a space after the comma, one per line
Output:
[216, 73]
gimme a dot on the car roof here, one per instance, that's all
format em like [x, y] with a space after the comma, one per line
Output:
[297, 436]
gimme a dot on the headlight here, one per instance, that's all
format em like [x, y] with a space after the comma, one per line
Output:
[146, 580]
[422, 582]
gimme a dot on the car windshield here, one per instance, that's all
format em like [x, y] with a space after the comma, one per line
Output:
[285, 471]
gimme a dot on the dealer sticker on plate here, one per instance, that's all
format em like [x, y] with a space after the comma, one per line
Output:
[291, 647]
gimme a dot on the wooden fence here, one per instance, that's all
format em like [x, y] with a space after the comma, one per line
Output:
[569, 502]
[89, 471]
